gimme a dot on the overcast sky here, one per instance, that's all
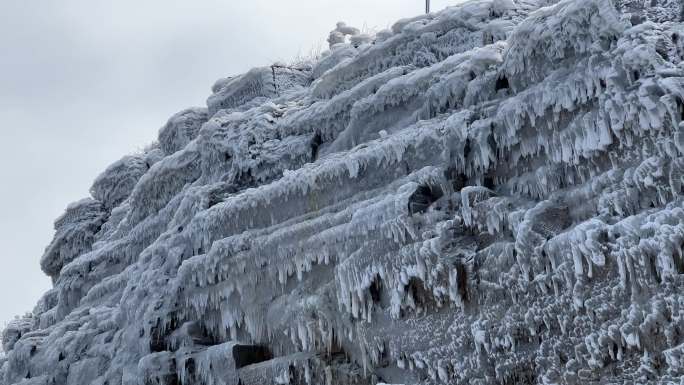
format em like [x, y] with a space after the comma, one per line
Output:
[84, 82]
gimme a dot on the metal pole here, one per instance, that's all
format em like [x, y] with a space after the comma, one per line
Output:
[427, 6]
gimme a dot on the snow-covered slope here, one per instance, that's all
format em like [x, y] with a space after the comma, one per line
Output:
[491, 194]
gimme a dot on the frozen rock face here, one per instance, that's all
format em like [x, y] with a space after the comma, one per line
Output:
[491, 194]
[181, 129]
[75, 233]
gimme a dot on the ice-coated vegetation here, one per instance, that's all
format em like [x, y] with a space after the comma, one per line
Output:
[491, 194]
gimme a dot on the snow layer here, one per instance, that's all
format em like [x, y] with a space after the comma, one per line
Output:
[491, 194]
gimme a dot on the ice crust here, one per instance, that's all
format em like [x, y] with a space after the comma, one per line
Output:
[490, 194]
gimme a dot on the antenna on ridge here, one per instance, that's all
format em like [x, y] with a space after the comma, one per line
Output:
[427, 6]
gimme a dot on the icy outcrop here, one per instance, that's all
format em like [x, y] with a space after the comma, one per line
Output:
[75, 233]
[181, 129]
[491, 194]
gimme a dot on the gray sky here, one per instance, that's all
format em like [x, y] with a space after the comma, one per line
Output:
[84, 82]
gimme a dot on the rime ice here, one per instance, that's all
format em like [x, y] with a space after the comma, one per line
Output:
[491, 194]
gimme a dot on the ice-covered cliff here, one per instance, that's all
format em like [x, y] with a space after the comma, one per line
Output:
[491, 194]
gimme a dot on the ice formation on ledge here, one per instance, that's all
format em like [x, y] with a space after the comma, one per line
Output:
[491, 194]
